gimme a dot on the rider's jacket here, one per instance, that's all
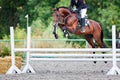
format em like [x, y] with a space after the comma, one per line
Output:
[79, 4]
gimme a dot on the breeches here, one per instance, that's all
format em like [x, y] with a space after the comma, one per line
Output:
[83, 12]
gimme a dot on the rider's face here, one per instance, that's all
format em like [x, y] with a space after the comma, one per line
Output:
[76, 0]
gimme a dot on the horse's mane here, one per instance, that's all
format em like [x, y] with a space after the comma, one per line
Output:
[57, 8]
[65, 8]
[61, 7]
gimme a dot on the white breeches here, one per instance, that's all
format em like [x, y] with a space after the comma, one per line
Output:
[83, 12]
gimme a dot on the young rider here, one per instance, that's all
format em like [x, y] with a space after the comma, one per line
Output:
[81, 8]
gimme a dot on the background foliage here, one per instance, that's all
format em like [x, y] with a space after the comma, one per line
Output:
[13, 13]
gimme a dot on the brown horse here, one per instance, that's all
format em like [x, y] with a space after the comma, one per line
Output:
[68, 21]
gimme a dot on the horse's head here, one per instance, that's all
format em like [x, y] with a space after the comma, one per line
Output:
[59, 14]
[56, 16]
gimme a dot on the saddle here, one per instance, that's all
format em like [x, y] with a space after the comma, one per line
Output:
[87, 23]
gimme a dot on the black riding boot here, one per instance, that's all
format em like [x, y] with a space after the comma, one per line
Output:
[79, 21]
[82, 24]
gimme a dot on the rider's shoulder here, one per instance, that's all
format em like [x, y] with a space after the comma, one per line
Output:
[87, 6]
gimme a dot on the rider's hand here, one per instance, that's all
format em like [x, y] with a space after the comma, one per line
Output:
[70, 9]
[77, 11]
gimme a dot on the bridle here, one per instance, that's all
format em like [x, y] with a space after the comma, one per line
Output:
[58, 19]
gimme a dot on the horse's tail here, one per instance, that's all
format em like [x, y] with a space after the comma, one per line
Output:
[102, 36]
[101, 32]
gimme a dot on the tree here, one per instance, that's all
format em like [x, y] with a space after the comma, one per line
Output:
[105, 12]
[9, 15]
[13, 12]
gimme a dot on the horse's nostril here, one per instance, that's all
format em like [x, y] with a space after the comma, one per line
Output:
[55, 24]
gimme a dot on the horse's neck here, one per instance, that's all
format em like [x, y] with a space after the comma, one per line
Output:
[65, 12]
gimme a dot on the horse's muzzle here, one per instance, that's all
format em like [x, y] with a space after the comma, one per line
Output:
[55, 24]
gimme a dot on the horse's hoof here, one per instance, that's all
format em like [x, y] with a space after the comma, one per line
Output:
[102, 71]
[69, 37]
[105, 62]
[56, 37]
[95, 62]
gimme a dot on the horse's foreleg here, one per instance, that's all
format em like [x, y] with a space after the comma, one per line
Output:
[54, 31]
[56, 36]
[66, 34]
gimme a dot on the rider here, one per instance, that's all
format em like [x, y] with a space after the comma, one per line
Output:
[81, 10]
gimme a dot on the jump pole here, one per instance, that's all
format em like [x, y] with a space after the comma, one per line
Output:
[114, 70]
[13, 68]
[28, 67]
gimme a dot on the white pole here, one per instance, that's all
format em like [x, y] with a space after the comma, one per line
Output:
[13, 68]
[28, 43]
[28, 67]
[64, 49]
[12, 45]
[114, 45]
[115, 70]
[27, 17]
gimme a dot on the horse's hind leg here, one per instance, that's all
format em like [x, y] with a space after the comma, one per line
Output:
[89, 39]
[100, 42]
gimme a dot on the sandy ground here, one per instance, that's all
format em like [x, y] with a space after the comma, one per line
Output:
[56, 70]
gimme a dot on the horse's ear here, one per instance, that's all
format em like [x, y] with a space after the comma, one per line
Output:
[54, 9]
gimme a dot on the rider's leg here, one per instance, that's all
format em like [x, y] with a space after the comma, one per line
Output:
[79, 20]
[82, 24]
[83, 14]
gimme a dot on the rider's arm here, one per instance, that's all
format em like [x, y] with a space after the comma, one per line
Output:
[84, 2]
[71, 4]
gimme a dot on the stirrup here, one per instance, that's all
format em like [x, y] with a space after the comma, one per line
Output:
[82, 29]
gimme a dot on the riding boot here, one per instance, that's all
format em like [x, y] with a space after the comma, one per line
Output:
[82, 24]
[79, 21]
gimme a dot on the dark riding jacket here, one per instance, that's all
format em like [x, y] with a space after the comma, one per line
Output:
[79, 5]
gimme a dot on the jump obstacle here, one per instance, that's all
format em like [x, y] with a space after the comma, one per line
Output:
[28, 68]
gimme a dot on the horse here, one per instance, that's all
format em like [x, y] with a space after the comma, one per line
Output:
[68, 22]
